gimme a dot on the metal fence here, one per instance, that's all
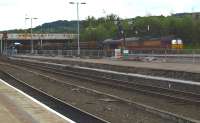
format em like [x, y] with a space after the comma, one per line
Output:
[168, 55]
[162, 55]
[69, 53]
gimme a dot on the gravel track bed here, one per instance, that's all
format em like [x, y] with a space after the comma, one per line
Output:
[188, 110]
[101, 106]
[138, 70]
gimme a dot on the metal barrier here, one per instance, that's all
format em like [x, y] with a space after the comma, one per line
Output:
[163, 55]
[168, 55]
[69, 53]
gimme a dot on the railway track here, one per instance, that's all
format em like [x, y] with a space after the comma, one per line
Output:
[155, 111]
[77, 115]
[70, 71]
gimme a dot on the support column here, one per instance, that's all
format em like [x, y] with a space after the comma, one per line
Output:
[41, 44]
[1, 46]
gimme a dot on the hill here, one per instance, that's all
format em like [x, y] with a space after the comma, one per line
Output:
[60, 26]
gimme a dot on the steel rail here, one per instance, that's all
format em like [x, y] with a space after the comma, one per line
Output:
[155, 111]
[147, 89]
[73, 113]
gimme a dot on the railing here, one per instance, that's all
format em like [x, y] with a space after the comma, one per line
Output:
[69, 53]
[162, 55]
[168, 55]
[165, 51]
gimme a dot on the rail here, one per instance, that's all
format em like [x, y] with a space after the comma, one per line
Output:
[163, 114]
[161, 55]
[100, 76]
[65, 109]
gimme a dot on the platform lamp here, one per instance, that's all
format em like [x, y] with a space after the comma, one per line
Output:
[32, 48]
[78, 27]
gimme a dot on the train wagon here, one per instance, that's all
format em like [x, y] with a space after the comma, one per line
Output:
[138, 43]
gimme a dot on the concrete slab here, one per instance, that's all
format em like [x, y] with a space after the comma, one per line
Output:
[17, 107]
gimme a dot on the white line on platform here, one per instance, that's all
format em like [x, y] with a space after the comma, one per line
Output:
[38, 102]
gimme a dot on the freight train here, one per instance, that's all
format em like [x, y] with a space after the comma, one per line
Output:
[139, 43]
[108, 44]
[130, 43]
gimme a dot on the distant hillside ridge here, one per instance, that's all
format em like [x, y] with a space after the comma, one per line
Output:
[60, 26]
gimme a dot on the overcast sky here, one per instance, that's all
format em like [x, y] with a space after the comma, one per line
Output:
[13, 11]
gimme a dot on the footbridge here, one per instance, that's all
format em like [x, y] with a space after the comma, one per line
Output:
[38, 41]
[51, 36]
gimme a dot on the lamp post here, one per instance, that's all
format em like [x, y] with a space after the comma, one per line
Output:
[78, 27]
[32, 48]
[121, 33]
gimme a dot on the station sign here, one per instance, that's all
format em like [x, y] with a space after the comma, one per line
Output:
[118, 53]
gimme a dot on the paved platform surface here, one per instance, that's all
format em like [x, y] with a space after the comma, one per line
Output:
[194, 68]
[15, 107]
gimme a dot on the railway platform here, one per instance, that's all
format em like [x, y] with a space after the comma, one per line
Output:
[17, 107]
[192, 68]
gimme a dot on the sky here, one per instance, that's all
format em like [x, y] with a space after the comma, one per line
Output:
[13, 12]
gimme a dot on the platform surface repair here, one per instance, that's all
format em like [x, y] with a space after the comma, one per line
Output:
[18, 107]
